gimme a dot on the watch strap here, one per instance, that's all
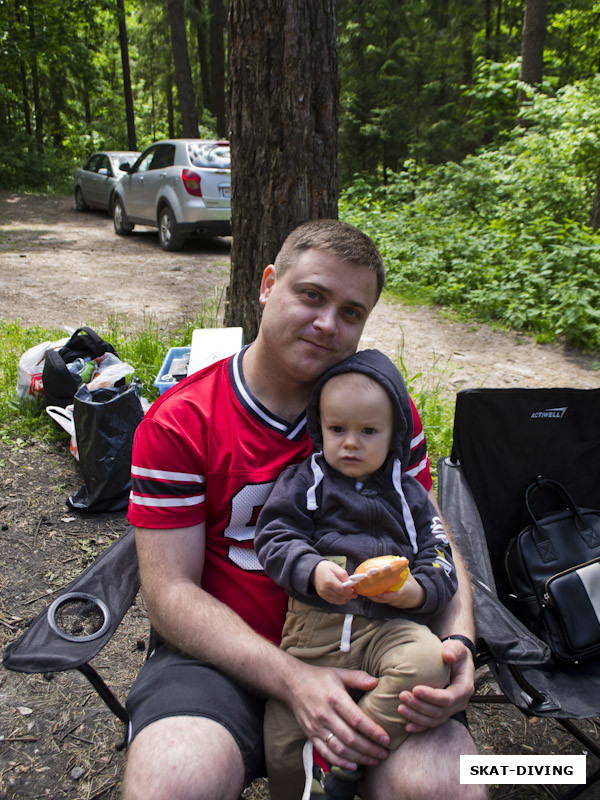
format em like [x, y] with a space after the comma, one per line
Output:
[466, 641]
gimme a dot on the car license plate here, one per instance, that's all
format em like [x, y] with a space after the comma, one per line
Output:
[225, 191]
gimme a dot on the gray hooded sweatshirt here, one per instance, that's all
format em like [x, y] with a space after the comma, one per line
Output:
[315, 512]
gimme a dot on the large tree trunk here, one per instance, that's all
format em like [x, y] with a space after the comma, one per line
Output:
[218, 20]
[183, 71]
[124, 44]
[498, 30]
[283, 100]
[35, 82]
[57, 103]
[595, 213]
[22, 70]
[170, 106]
[532, 46]
[202, 38]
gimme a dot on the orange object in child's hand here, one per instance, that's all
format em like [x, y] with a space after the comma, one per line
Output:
[382, 574]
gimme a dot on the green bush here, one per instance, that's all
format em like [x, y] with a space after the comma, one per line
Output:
[502, 236]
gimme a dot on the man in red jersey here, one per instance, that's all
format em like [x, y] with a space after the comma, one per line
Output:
[204, 460]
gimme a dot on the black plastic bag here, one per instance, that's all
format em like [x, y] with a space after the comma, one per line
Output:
[59, 383]
[105, 422]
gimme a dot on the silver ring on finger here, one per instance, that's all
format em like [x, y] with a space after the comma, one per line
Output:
[329, 738]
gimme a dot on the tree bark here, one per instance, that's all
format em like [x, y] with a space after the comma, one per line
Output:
[595, 213]
[201, 39]
[22, 70]
[183, 71]
[56, 93]
[283, 100]
[498, 30]
[35, 81]
[532, 45]
[170, 106]
[124, 45]
[218, 20]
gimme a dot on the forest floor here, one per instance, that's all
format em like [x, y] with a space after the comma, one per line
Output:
[59, 267]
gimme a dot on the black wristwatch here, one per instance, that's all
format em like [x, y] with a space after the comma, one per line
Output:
[466, 641]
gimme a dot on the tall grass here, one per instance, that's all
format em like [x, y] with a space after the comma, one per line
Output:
[436, 409]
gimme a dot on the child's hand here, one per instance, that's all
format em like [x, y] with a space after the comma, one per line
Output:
[410, 595]
[328, 578]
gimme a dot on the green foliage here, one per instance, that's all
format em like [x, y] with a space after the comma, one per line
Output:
[23, 169]
[436, 409]
[76, 56]
[493, 96]
[420, 80]
[434, 81]
[401, 68]
[502, 236]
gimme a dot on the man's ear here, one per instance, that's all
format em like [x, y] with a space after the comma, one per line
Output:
[266, 284]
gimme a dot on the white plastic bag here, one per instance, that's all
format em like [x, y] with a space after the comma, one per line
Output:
[109, 370]
[64, 417]
[30, 367]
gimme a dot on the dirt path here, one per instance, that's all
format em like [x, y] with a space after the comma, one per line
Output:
[59, 267]
[474, 355]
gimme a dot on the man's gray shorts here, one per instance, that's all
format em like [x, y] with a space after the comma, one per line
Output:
[171, 684]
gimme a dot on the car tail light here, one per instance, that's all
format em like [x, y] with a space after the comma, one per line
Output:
[191, 181]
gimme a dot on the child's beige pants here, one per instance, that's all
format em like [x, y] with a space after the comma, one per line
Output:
[401, 653]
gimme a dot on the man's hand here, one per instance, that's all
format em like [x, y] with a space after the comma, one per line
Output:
[328, 578]
[322, 706]
[425, 707]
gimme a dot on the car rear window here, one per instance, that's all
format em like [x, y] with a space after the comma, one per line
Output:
[214, 155]
[118, 161]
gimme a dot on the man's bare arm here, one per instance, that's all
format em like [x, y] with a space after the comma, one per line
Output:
[426, 707]
[192, 620]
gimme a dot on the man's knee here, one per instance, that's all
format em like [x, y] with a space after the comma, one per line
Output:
[424, 786]
[426, 765]
[184, 757]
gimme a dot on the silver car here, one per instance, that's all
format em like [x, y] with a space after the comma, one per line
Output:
[95, 181]
[180, 186]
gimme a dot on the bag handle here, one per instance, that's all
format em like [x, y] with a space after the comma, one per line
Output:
[93, 342]
[63, 417]
[540, 537]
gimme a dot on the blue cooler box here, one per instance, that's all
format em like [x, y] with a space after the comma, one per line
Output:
[166, 377]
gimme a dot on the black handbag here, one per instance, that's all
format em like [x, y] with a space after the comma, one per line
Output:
[553, 567]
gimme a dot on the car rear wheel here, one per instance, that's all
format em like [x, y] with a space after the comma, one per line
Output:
[120, 221]
[166, 230]
[80, 200]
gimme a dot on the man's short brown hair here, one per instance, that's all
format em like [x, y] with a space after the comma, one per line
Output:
[337, 238]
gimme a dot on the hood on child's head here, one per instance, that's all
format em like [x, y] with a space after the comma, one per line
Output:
[378, 367]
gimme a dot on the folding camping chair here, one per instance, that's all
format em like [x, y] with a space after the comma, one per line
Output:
[503, 440]
[73, 629]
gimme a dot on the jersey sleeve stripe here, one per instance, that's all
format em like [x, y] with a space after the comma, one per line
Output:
[165, 488]
[165, 475]
[414, 471]
[166, 502]
[417, 440]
